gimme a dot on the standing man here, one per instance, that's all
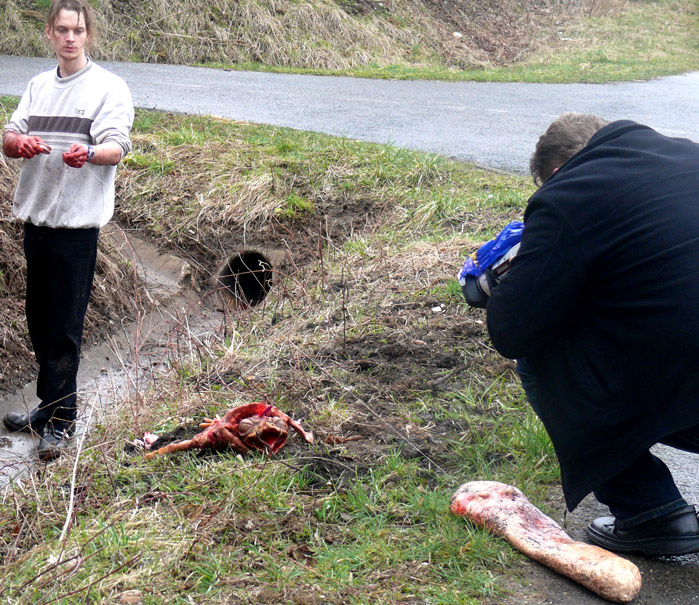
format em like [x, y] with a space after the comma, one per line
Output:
[71, 128]
[601, 307]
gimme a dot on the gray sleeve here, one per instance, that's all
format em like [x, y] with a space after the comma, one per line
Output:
[115, 118]
[19, 121]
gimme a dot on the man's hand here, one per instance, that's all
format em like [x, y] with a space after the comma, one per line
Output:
[77, 156]
[17, 145]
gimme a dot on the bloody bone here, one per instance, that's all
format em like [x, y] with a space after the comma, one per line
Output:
[505, 511]
[253, 426]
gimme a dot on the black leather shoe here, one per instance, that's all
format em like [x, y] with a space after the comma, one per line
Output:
[25, 423]
[676, 533]
[54, 442]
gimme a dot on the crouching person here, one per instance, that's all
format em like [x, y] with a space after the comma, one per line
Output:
[600, 307]
[71, 129]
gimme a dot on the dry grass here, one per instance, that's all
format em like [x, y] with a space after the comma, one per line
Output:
[16, 356]
[317, 34]
[232, 185]
[207, 184]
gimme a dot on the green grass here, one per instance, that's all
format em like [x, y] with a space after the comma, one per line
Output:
[640, 44]
[647, 40]
[219, 528]
[257, 172]
[7, 106]
[346, 340]
[153, 165]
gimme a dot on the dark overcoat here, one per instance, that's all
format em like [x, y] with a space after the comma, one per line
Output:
[603, 300]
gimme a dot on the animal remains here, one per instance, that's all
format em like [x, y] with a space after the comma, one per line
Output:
[252, 426]
[506, 511]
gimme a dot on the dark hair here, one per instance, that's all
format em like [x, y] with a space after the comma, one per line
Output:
[566, 135]
[78, 6]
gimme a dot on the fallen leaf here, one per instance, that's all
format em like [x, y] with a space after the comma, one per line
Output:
[301, 553]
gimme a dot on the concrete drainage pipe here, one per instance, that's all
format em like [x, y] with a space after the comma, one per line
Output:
[246, 278]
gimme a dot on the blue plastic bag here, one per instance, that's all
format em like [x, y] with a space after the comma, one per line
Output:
[492, 251]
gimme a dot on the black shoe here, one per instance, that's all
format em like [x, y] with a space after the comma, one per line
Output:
[25, 423]
[54, 442]
[676, 533]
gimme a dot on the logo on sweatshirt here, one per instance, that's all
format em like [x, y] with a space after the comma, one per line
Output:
[79, 112]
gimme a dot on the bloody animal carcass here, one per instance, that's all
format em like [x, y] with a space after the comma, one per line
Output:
[252, 426]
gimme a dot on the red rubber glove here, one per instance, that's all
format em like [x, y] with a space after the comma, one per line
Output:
[24, 146]
[76, 157]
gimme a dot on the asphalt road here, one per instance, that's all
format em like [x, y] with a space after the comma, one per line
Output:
[488, 123]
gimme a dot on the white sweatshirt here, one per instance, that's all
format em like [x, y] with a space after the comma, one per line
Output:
[92, 106]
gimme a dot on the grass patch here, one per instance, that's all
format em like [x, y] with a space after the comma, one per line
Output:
[599, 42]
[602, 42]
[364, 338]
[638, 44]
[206, 176]
[221, 529]
[643, 41]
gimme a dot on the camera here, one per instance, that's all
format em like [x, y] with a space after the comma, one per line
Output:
[484, 269]
[477, 290]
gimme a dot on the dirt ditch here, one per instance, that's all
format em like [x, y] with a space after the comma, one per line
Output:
[385, 370]
[128, 354]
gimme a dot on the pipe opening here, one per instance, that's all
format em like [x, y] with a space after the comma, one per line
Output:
[247, 277]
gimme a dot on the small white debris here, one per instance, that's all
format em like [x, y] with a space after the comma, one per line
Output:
[458, 35]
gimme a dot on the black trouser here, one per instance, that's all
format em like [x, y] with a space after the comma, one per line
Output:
[60, 268]
[645, 489]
